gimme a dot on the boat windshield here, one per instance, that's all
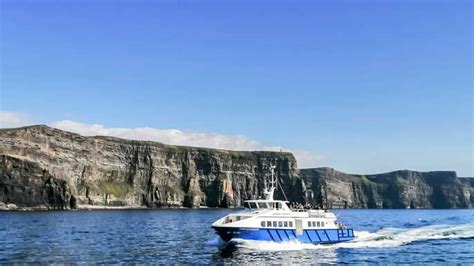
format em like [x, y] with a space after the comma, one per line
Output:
[262, 205]
[250, 205]
[275, 205]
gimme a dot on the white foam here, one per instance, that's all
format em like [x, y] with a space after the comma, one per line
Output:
[217, 242]
[392, 237]
[272, 246]
[387, 237]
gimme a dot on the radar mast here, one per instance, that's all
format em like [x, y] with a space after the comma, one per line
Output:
[270, 185]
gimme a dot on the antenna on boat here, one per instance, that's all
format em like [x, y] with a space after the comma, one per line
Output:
[270, 185]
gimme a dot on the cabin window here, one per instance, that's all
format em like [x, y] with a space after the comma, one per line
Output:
[274, 224]
[246, 205]
[314, 224]
[309, 224]
[253, 205]
[319, 224]
[269, 224]
[275, 205]
[262, 205]
[291, 224]
[280, 224]
[285, 224]
[262, 223]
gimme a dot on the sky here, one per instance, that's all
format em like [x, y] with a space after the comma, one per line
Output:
[360, 86]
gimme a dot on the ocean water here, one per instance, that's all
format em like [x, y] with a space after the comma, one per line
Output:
[185, 236]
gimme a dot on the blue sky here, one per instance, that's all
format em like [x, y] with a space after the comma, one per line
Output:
[363, 86]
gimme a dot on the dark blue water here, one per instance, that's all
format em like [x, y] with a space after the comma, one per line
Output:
[185, 236]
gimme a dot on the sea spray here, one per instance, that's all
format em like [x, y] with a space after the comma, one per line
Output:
[384, 238]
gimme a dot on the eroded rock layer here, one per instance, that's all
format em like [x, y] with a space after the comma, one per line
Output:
[24, 183]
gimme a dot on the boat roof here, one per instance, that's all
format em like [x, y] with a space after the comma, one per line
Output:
[266, 201]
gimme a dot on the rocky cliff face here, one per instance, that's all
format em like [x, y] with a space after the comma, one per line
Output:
[117, 172]
[24, 183]
[399, 189]
[49, 168]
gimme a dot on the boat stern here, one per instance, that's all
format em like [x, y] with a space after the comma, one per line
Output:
[346, 234]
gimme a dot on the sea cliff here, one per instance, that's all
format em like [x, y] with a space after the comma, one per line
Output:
[399, 189]
[107, 171]
[47, 168]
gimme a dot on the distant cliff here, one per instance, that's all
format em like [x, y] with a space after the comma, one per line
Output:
[47, 168]
[399, 189]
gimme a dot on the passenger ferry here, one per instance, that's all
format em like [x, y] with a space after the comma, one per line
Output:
[273, 220]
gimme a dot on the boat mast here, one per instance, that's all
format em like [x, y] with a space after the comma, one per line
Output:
[268, 191]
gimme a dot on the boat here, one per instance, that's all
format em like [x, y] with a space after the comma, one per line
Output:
[273, 220]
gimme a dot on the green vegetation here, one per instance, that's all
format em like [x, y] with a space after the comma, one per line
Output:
[365, 180]
[117, 189]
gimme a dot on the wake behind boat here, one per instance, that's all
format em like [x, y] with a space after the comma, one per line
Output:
[273, 220]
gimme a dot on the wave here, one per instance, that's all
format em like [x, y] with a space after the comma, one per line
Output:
[216, 242]
[384, 238]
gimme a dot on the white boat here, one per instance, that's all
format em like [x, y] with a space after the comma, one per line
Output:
[272, 220]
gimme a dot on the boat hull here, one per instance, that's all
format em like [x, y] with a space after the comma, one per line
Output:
[314, 236]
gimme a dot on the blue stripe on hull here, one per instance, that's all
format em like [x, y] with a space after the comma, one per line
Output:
[315, 236]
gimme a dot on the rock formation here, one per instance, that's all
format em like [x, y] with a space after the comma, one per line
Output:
[47, 168]
[117, 172]
[23, 183]
[399, 189]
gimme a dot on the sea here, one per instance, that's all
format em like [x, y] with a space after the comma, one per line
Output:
[186, 237]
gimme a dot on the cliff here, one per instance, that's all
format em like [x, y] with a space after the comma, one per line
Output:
[47, 168]
[24, 183]
[399, 189]
[108, 171]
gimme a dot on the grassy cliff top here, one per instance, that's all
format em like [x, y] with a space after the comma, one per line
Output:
[50, 131]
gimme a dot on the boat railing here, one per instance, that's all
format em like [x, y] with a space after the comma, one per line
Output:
[317, 213]
[299, 210]
[312, 213]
